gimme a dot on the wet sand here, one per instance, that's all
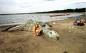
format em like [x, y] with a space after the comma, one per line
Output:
[72, 40]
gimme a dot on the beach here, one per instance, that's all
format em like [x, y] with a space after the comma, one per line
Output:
[72, 40]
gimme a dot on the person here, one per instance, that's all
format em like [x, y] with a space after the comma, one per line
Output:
[82, 22]
[36, 29]
[75, 22]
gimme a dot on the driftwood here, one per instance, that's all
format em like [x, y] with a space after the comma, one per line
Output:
[16, 28]
[13, 27]
[7, 28]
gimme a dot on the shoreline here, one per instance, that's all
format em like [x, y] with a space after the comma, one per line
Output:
[9, 19]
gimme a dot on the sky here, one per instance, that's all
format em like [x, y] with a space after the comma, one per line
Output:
[28, 6]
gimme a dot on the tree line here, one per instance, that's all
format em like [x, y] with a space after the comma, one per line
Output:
[66, 10]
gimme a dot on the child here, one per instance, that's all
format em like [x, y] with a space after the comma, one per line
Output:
[36, 29]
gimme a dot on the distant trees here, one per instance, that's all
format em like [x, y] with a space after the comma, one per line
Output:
[67, 10]
[76, 10]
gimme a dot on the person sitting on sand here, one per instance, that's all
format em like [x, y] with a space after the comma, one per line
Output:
[80, 22]
[36, 29]
[76, 22]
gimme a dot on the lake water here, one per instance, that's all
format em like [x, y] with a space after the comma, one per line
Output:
[22, 18]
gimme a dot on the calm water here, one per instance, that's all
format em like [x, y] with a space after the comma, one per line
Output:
[22, 18]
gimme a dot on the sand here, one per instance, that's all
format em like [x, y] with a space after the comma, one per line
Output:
[72, 40]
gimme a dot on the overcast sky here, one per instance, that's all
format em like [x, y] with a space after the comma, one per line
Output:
[25, 6]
